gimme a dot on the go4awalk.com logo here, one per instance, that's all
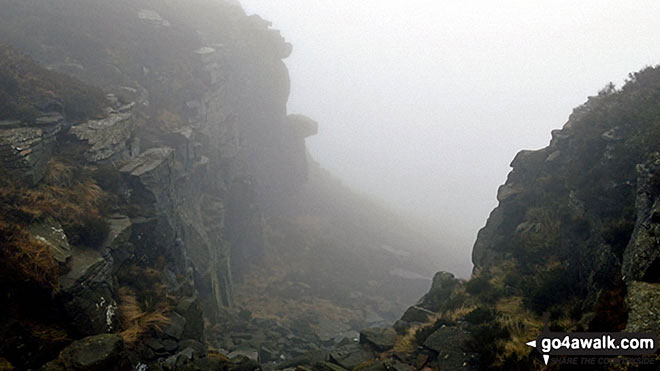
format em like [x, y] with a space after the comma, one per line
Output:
[604, 344]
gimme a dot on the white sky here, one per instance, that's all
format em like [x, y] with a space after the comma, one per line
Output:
[424, 103]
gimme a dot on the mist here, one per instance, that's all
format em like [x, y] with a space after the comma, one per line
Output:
[423, 104]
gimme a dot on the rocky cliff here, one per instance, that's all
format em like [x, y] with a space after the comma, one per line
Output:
[156, 194]
[574, 237]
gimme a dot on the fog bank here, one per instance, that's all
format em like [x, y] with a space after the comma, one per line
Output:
[424, 103]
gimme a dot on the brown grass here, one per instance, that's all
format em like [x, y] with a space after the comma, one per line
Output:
[25, 259]
[214, 354]
[49, 333]
[135, 321]
[523, 326]
[59, 173]
[67, 195]
[408, 341]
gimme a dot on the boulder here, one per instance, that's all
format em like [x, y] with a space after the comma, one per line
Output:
[100, 352]
[416, 314]
[191, 311]
[179, 359]
[446, 338]
[249, 353]
[381, 338]
[449, 343]
[176, 326]
[333, 331]
[350, 356]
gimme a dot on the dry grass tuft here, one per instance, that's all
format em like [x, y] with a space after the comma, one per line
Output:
[522, 324]
[214, 354]
[407, 342]
[49, 334]
[135, 321]
[59, 173]
[25, 259]
[71, 198]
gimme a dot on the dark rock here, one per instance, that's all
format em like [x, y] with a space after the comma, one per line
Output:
[242, 363]
[176, 361]
[449, 343]
[176, 326]
[401, 327]
[445, 338]
[641, 257]
[51, 233]
[417, 314]
[327, 366]
[381, 338]
[308, 358]
[441, 288]
[155, 344]
[350, 356]
[267, 354]
[332, 332]
[249, 353]
[100, 352]
[195, 345]
[421, 361]
[87, 293]
[170, 345]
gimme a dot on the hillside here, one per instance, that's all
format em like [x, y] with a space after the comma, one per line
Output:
[159, 210]
[159, 207]
[575, 236]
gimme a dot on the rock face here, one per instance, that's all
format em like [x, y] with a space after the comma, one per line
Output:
[52, 234]
[194, 143]
[644, 315]
[109, 138]
[641, 260]
[575, 233]
[26, 148]
[175, 167]
[87, 293]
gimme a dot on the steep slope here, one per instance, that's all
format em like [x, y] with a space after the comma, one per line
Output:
[154, 184]
[575, 236]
